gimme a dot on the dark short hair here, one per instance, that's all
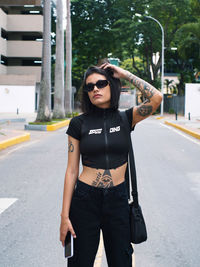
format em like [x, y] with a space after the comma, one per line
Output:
[115, 89]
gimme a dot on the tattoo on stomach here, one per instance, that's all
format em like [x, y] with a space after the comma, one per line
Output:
[103, 180]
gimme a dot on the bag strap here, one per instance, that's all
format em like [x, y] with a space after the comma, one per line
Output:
[131, 162]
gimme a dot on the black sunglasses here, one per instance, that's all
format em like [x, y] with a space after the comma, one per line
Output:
[99, 84]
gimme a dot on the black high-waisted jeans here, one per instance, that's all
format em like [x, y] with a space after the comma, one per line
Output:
[92, 209]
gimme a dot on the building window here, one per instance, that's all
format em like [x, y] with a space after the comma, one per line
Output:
[31, 62]
[4, 60]
[4, 34]
[31, 37]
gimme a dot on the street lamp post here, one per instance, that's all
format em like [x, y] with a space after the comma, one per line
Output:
[162, 71]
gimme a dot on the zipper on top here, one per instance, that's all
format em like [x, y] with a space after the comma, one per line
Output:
[106, 141]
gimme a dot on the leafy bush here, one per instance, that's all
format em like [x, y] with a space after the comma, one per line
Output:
[171, 111]
[72, 114]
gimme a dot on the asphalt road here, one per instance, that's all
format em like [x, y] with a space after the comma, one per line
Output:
[169, 190]
[168, 170]
[29, 229]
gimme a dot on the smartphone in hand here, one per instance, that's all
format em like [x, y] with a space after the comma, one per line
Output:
[69, 245]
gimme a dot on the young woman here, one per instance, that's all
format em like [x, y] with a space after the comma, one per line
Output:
[99, 200]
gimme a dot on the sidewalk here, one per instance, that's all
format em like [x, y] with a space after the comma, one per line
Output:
[12, 126]
[191, 127]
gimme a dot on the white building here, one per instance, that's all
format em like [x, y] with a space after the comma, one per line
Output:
[21, 31]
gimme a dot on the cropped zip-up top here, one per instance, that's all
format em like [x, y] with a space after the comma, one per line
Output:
[103, 137]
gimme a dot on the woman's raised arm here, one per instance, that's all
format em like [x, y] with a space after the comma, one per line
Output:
[152, 95]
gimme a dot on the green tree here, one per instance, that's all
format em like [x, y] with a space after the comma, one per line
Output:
[187, 39]
[142, 37]
[110, 26]
[195, 6]
[189, 46]
[91, 33]
[168, 84]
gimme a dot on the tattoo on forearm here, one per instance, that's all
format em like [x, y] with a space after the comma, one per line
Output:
[144, 110]
[70, 147]
[146, 101]
[103, 180]
[147, 90]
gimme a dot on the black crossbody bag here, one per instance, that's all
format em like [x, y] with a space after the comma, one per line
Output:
[137, 223]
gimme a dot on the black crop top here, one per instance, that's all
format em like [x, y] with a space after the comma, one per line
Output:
[103, 137]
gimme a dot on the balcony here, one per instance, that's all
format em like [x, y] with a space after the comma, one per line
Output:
[25, 23]
[24, 49]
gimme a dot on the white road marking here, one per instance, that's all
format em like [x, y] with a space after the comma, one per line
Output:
[182, 134]
[13, 149]
[6, 203]
[164, 125]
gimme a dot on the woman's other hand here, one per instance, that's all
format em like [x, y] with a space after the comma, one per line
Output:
[65, 226]
[117, 71]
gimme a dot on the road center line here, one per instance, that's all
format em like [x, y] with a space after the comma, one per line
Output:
[6, 203]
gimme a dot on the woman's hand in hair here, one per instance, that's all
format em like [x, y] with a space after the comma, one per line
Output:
[116, 71]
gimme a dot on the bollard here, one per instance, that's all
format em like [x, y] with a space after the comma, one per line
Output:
[189, 116]
[176, 116]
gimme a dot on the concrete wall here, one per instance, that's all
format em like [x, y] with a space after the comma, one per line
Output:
[3, 69]
[192, 100]
[13, 97]
[3, 47]
[17, 80]
[26, 70]
[25, 23]
[24, 49]
[3, 19]
[3, 24]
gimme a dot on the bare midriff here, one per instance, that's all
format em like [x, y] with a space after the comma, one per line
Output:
[103, 178]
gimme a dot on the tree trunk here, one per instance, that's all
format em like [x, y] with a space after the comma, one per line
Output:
[44, 110]
[68, 82]
[59, 111]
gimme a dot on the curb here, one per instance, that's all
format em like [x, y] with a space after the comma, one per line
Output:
[52, 127]
[183, 129]
[35, 127]
[14, 141]
[26, 137]
[12, 120]
[58, 125]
